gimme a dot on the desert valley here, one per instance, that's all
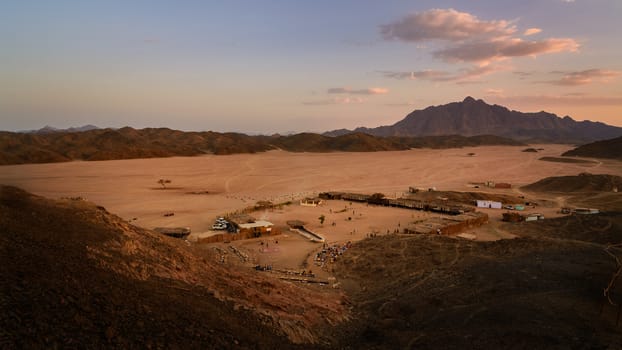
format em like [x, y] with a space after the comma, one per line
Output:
[369, 277]
[311, 174]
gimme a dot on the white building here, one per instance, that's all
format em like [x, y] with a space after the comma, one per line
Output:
[488, 204]
[311, 202]
[259, 225]
[534, 217]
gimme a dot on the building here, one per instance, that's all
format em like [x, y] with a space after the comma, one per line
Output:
[331, 195]
[512, 217]
[493, 184]
[450, 225]
[586, 211]
[534, 217]
[311, 202]
[257, 228]
[488, 204]
[355, 197]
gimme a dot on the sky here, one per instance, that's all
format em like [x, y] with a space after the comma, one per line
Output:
[268, 66]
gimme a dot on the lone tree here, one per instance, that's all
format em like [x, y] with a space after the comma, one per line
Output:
[163, 182]
[322, 218]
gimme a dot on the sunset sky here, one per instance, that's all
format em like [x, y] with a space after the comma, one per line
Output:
[260, 66]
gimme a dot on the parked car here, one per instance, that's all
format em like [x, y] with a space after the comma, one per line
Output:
[219, 226]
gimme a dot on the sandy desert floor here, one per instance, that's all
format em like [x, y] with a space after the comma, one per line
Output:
[129, 188]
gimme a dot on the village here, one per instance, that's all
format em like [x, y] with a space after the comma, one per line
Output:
[281, 209]
[299, 241]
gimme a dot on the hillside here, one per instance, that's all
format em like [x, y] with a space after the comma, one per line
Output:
[611, 148]
[475, 117]
[75, 276]
[431, 292]
[584, 182]
[128, 143]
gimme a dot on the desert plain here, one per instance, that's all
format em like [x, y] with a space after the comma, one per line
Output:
[205, 187]
[100, 275]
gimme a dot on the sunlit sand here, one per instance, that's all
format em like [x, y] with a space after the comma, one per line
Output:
[203, 188]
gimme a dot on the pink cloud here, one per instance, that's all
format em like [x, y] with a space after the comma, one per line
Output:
[368, 91]
[444, 24]
[585, 77]
[468, 39]
[532, 31]
[432, 75]
[335, 101]
[461, 76]
[494, 92]
[484, 52]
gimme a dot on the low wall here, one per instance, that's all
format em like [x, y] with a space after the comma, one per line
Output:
[312, 236]
[469, 222]
[449, 225]
[229, 237]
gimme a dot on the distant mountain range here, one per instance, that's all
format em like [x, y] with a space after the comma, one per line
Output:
[127, 143]
[475, 117]
[50, 129]
[458, 124]
[600, 149]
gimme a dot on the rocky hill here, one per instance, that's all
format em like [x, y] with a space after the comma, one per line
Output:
[584, 182]
[434, 292]
[475, 117]
[600, 149]
[75, 276]
[127, 143]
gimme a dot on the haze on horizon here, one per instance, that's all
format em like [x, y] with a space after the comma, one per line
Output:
[278, 66]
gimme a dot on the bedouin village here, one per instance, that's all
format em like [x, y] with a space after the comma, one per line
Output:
[299, 239]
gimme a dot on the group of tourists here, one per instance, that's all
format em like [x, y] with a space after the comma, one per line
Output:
[330, 253]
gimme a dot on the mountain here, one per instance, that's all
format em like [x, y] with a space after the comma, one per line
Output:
[50, 129]
[611, 148]
[124, 143]
[475, 117]
[128, 143]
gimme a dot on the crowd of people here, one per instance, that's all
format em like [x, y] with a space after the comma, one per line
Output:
[330, 253]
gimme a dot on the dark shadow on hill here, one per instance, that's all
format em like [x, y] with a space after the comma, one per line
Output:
[430, 292]
[74, 276]
[611, 148]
